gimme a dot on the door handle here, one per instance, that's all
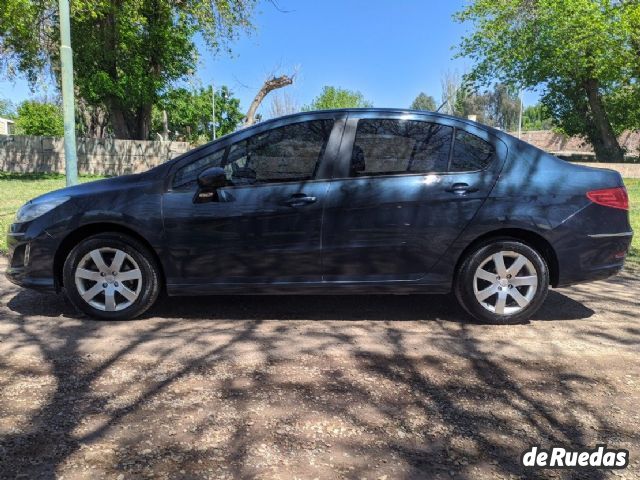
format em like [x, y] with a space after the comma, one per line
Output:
[461, 188]
[299, 200]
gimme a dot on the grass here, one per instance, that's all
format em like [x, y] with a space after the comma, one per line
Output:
[633, 188]
[16, 189]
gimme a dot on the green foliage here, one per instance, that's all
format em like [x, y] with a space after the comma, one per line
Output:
[424, 102]
[504, 107]
[633, 189]
[335, 97]
[530, 43]
[126, 52]
[584, 53]
[468, 102]
[38, 118]
[189, 113]
[498, 107]
[536, 117]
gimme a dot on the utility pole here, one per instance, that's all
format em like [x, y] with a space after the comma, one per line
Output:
[66, 63]
[520, 117]
[213, 110]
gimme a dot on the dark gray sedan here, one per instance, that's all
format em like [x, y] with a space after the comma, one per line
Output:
[336, 202]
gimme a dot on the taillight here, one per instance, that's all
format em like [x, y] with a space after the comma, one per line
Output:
[610, 197]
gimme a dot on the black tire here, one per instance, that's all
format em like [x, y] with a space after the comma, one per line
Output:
[466, 285]
[138, 257]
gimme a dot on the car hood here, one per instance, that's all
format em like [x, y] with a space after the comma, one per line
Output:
[96, 187]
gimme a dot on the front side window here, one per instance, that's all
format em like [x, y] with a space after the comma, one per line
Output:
[285, 154]
[186, 176]
[396, 147]
[470, 153]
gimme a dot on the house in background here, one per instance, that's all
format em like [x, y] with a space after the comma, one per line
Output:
[6, 126]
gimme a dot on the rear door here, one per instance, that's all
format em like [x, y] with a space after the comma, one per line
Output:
[405, 188]
[265, 226]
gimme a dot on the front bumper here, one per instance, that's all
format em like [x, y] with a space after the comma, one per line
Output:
[31, 257]
[22, 278]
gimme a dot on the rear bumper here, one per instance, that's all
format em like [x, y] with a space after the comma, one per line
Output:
[591, 257]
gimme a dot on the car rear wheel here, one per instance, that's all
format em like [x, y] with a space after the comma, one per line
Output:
[502, 281]
[111, 276]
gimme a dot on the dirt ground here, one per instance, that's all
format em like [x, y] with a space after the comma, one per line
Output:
[376, 387]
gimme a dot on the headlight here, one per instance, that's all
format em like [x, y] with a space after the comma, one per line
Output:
[33, 209]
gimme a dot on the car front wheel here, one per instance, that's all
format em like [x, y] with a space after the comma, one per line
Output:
[503, 281]
[111, 276]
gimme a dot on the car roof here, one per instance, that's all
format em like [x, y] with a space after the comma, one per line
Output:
[376, 110]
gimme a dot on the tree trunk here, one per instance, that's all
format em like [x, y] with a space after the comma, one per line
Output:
[165, 125]
[143, 123]
[102, 122]
[270, 84]
[130, 126]
[604, 140]
[119, 123]
[94, 119]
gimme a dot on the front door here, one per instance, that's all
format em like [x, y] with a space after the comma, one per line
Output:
[406, 190]
[265, 226]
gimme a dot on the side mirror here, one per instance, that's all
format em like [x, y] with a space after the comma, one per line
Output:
[212, 178]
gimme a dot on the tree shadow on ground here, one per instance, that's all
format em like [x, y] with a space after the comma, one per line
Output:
[256, 387]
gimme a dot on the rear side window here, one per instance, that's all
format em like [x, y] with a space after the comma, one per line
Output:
[396, 147]
[287, 154]
[470, 153]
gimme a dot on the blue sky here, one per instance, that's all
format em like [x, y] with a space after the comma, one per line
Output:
[388, 50]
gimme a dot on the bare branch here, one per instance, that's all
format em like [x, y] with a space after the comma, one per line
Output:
[272, 83]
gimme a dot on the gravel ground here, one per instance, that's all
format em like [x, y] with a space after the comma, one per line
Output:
[375, 387]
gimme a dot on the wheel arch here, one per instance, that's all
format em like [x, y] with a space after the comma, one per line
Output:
[85, 231]
[533, 239]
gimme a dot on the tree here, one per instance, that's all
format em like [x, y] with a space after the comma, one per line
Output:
[39, 118]
[504, 107]
[335, 97]
[536, 117]
[467, 102]
[424, 102]
[584, 54]
[498, 107]
[126, 52]
[188, 113]
[6, 108]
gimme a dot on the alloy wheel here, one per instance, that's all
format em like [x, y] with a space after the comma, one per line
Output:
[108, 279]
[505, 282]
